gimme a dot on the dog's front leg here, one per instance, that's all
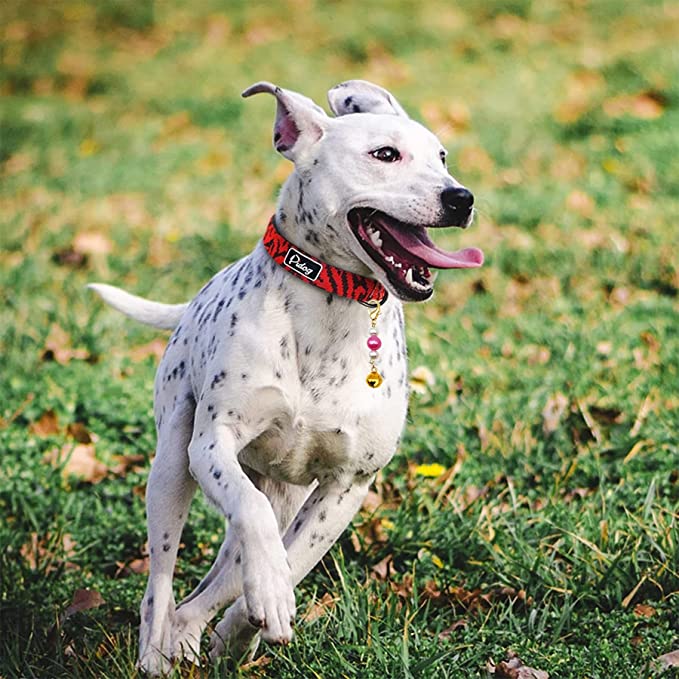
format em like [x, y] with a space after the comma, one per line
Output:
[267, 581]
[318, 524]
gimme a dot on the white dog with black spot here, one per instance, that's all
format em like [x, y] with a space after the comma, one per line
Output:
[267, 396]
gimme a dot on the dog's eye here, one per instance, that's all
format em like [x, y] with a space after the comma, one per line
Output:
[442, 155]
[387, 154]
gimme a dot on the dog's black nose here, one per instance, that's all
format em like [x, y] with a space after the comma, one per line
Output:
[457, 199]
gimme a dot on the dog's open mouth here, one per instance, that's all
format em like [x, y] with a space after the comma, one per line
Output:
[406, 253]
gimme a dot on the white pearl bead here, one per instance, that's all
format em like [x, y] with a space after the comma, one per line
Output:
[373, 354]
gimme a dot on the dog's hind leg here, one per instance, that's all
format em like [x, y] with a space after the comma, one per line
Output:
[169, 492]
[223, 583]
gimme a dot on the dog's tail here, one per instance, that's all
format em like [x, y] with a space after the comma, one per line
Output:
[165, 316]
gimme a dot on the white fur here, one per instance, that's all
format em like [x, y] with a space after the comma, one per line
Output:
[261, 396]
[164, 316]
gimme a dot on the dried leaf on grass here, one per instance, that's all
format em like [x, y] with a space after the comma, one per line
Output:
[92, 243]
[79, 432]
[644, 105]
[319, 607]
[461, 623]
[125, 463]
[513, 668]
[644, 611]
[79, 461]
[156, 348]
[46, 425]
[553, 412]
[136, 567]
[58, 347]
[83, 600]
[49, 553]
[382, 569]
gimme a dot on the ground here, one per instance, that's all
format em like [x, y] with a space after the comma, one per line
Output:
[532, 506]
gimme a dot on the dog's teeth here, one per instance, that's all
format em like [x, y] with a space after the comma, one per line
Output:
[375, 237]
[389, 259]
[398, 265]
[409, 277]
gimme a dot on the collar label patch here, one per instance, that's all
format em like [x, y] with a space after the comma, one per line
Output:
[302, 264]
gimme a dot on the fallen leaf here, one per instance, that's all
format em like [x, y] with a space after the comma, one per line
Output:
[92, 243]
[319, 607]
[124, 463]
[80, 433]
[553, 412]
[382, 569]
[83, 600]
[49, 554]
[644, 105]
[644, 611]
[581, 203]
[136, 566]
[46, 425]
[448, 631]
[513, 668]
[156, 348]
[262, 661]
[58, 347]
[79, 461]
[371, 502]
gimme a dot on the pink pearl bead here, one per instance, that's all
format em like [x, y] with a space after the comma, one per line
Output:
[374, 342]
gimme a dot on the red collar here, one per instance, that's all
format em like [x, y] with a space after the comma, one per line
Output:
[324, 276]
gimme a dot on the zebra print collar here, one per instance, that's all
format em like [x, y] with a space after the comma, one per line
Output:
[330, 278]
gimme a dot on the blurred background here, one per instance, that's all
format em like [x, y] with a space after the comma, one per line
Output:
[541, 454]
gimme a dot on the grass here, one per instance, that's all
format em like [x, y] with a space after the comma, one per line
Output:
[546, 383]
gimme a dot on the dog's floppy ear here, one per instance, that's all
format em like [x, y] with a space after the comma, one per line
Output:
[299, 121]
[361, 96]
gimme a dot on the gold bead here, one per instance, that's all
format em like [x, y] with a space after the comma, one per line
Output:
[374, 379]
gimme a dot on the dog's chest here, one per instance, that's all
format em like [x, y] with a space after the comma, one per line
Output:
[343, 441]
[327, 421]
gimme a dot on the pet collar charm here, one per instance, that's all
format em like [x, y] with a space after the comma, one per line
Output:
[374, 379]
[332, 279]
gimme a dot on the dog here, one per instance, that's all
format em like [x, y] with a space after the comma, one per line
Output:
[261, 396]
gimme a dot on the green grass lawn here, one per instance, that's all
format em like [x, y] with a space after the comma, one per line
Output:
[532, 506]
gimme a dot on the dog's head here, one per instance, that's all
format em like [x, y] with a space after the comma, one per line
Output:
[376, 180]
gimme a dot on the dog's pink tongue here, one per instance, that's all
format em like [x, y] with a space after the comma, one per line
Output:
[418, 243]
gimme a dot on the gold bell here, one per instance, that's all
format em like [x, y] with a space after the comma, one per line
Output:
[374, 379]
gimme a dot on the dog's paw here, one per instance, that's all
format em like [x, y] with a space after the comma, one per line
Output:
[269, 597]
[186, 635]
[154, 663]
[234, 636]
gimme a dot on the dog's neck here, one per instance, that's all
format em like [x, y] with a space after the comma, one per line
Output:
[310, 227]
